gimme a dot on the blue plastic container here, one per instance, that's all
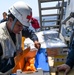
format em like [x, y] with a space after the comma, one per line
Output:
[41, 60]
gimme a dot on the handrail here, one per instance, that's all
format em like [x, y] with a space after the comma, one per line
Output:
[70, 16]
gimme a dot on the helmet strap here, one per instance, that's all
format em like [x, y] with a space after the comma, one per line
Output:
[13, 24]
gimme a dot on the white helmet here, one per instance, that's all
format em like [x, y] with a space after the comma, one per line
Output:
[22, 12]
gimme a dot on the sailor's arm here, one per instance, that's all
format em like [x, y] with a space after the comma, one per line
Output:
[26, 32]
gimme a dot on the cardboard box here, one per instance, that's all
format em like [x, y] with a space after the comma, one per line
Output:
[52, 51]
[60, 58]
[57, 51]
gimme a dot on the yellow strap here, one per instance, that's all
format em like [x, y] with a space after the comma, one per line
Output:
[22, 44]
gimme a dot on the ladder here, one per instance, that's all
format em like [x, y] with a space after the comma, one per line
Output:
[46, 23]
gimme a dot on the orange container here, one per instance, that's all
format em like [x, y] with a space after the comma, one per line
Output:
[21, 58]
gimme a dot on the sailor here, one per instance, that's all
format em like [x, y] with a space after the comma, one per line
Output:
[11, 33]
[4, 17]
[70, 58]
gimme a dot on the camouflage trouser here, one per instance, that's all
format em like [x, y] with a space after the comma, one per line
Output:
[6, 73]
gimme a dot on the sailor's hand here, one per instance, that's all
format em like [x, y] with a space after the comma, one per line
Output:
[37, 44]
[19, 51]
[64, 67]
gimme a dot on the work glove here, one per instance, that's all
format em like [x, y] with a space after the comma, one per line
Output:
[35, 23]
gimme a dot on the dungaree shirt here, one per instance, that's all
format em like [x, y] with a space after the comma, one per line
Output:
[8, 63]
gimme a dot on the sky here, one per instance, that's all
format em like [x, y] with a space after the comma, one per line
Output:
[5, 4]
